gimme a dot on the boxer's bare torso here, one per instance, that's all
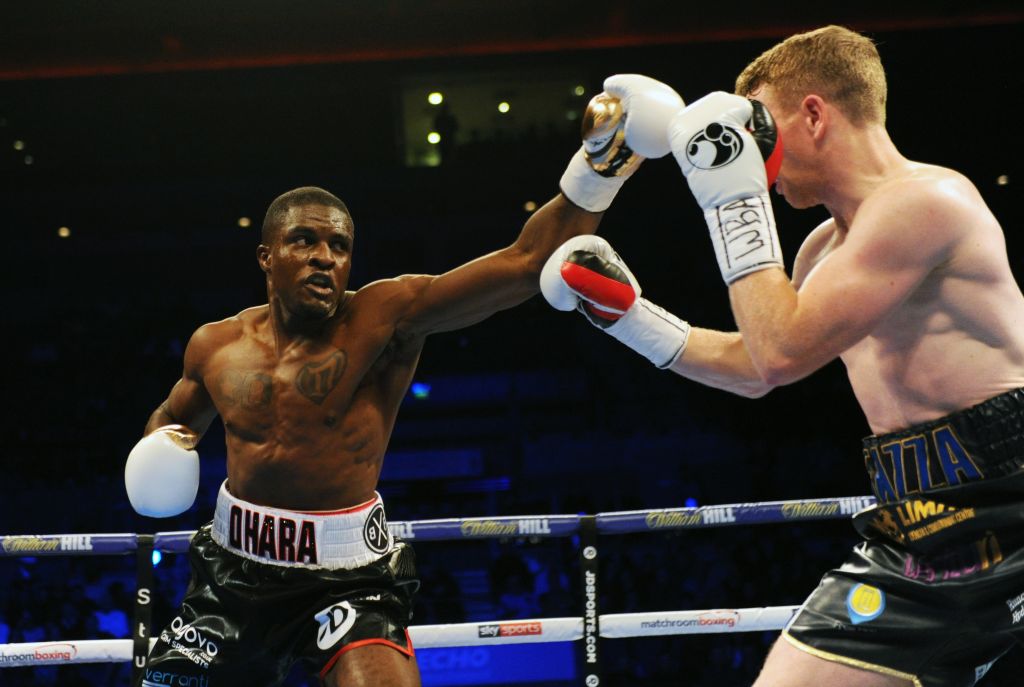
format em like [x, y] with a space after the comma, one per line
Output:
[309, 385]
[958, 338]
[307, 422]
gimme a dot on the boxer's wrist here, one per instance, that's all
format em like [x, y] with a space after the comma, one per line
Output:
[587, 189]
[653, 332]
[180, 435]
[744, 236]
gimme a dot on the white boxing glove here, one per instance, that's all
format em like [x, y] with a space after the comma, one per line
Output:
[649, 106]
[730, 152]
[586, 274]
[161, 475]
[620, 127]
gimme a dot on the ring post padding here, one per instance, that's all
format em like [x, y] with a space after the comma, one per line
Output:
[143, 606]
[590, 646]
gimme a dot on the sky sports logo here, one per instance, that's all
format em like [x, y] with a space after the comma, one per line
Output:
[510, 630]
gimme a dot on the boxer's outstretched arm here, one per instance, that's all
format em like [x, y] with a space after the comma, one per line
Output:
[189, 404]
[473, 291]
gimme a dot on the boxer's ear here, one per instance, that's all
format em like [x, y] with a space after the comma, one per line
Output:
[263, 257]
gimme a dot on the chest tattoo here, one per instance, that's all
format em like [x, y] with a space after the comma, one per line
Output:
[250, 391]
[317, 379]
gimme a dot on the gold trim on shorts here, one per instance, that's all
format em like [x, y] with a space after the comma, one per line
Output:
[853, 662]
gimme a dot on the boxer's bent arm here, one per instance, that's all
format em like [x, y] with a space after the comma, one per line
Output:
[474, 291]
[720, 360]
[898, 237]
[189, 404]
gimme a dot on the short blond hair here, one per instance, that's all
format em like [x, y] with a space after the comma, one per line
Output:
[839, 64]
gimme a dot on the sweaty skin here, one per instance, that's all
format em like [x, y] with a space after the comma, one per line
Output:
[308, 386]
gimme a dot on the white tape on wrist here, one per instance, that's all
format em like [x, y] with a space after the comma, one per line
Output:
[586, 188]
[653, 332]
[744, 236]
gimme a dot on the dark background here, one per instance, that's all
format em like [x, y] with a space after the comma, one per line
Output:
[148, 129]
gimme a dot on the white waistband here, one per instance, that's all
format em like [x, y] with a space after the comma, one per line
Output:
[343, 539]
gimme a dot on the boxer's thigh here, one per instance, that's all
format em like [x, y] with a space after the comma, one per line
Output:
[374, 665]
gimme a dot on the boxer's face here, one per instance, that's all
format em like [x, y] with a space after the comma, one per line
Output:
[309, 260]
[797, 180]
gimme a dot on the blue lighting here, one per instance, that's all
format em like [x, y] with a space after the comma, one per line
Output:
[157, 557]
[421, 390]
[690, 502]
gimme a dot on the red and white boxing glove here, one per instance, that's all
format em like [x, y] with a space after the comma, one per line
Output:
[730, 152]
[586, 274]
[621, 126]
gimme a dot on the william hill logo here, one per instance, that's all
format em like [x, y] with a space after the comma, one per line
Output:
[505, 528]
[29, 544]
[710, 515]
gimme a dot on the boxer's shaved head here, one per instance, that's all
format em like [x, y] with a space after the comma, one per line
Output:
[304, 195]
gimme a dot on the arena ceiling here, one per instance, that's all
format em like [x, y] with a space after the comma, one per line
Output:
[80, 38]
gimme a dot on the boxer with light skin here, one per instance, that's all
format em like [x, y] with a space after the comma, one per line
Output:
[298, 564]
[909, 284]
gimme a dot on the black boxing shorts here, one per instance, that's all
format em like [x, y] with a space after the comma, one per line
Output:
[935, 592]
[272, 587]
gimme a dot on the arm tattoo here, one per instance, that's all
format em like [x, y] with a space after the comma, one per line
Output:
[317, 379]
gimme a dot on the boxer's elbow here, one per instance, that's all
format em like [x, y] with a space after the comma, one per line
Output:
[754, 389]
[526, 261]
[777, 369]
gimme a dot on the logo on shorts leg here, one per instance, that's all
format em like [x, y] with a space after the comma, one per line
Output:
[864, 603]
[335, 621]
[375, 531]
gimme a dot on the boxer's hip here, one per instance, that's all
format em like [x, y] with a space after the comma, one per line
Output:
[948, 479]
[336, 540]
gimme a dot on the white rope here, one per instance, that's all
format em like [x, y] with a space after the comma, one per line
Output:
[613, 626]
[497, 632]
[620, 625]
[65, 652]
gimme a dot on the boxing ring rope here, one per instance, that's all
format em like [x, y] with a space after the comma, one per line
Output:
[588, 626]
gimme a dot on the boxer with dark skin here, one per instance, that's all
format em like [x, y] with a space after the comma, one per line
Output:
[308, 385]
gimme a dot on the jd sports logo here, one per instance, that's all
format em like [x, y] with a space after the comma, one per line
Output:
[375, 531]
[335, 621]
[716, 146]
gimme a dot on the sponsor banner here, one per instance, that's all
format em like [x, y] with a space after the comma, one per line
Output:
[491, 528]
[518, 629]
[500, 632]
[733, 514]
[62, 653]
[62, 544]
[618, 625]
